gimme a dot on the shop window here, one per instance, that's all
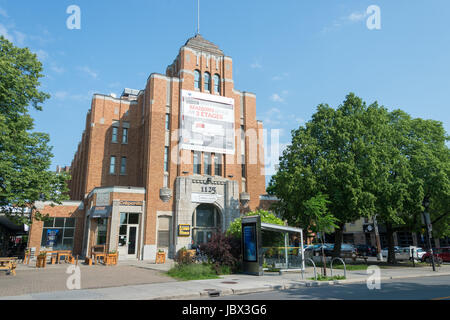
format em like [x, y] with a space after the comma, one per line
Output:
[58, 233]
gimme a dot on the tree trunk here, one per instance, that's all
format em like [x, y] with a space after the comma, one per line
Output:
[338, 238]
[390, 242]
[324, 260]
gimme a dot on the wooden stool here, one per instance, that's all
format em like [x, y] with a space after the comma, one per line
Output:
[53, 260]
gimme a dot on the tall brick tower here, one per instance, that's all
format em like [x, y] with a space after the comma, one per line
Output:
[166, 166]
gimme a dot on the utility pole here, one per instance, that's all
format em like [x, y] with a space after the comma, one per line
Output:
[427, 221]
[377, 237]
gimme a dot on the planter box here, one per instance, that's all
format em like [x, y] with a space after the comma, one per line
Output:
[161, 257]
[41, 261]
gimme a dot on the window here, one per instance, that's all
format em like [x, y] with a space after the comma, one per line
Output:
[166, 159]
[243, 167]
[163, 232]
[205, 222]
[58, 233]
[115, 130]
[197, 163]
[123, 166]
[207, 161]
[216, 83]
[207, 81]
[218, 164]
[167, 121]
[125, 135]
[197, 80]
[112, 165]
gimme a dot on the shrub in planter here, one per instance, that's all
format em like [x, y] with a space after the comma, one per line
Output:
[183, 257]
[222, 250]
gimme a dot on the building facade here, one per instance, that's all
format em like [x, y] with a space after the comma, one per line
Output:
[164, 167]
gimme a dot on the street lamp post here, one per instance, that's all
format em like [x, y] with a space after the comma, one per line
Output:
[427, 220]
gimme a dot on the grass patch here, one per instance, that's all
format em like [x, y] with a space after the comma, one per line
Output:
[322, 278]
[197, 271]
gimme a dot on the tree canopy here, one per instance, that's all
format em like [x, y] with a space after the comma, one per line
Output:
[25, 156]
[367, 161]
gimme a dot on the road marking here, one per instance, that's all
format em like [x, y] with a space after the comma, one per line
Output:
[442, 298]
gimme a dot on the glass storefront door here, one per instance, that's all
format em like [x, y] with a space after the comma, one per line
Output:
[128, 235]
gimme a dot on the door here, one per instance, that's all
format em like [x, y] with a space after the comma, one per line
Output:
[128, 241]
[128, 236]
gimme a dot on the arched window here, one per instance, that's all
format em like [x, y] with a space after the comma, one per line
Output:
[205, 222]
[197, 80]
[207, 81]
[217, 83]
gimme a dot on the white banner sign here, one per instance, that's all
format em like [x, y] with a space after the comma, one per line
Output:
[207, 122]
[204, 197]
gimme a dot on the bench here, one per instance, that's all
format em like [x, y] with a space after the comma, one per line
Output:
[9, 265]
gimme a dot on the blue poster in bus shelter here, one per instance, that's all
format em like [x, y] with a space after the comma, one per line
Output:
[250, 243]
[52, 236]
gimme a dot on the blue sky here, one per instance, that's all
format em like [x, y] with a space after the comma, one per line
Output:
[292, 54]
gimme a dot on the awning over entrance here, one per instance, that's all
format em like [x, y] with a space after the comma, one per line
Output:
[100, 212]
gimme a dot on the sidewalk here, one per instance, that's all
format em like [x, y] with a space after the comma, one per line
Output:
[226, 285]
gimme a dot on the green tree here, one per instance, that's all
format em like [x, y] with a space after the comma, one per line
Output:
[25, 156]
[235, 228]
[322, 221]
[329, 155]
[413, 167]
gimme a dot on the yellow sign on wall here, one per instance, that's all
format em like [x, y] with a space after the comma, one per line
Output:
[184, 230]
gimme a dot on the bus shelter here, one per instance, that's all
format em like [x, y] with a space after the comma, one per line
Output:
[270, 246]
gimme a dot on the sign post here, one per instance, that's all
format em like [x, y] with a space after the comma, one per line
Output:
[251, 245]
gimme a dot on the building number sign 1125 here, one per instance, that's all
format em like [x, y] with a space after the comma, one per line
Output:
[209, 190]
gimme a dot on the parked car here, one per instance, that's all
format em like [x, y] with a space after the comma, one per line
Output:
[384, 251]
[441, 253]
[366, 250]
[347, 250]
[418, 252]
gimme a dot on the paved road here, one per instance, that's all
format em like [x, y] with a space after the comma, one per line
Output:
[410, 289]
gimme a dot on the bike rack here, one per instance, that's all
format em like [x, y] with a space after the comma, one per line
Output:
[345, 269]
[315, 272]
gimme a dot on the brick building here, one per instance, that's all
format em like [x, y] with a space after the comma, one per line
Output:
[162, 167]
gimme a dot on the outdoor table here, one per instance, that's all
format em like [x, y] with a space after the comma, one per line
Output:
[60, 253]
[8, 263]
[98, 255]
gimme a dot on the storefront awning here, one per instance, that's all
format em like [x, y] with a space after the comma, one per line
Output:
[100, 212]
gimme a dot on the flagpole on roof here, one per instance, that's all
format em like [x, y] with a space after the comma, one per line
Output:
[198, 16]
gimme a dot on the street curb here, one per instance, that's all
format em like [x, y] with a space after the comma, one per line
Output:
[288, 286]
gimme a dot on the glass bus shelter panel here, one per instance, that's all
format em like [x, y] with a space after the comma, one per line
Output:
[281, 253]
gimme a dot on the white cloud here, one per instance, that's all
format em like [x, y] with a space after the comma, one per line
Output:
[20, 37]
[42, 54]
[276, 98]
[256, 65]
[89, 72]
[60, 95]
[356, 16]
[57, 69]
[64, 95]
[280, 77]
[4, 32]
